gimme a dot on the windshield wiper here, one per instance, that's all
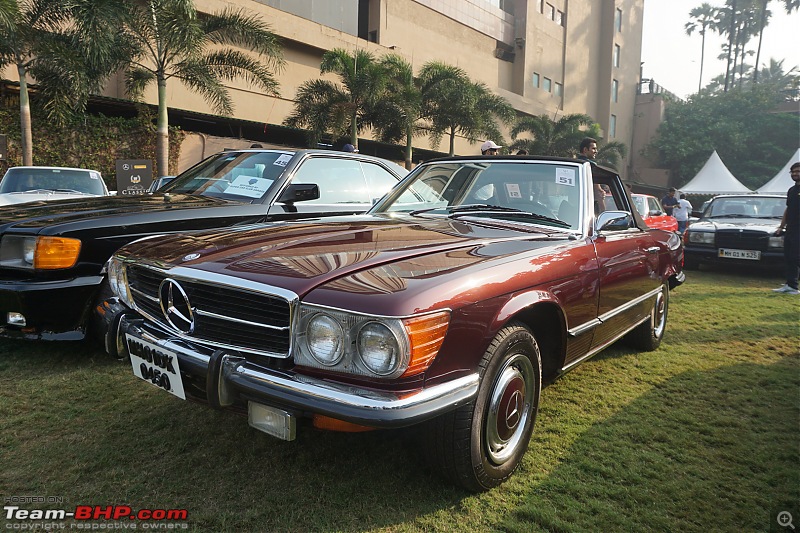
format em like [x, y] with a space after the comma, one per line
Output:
[70, 190]
[451, 209]
[467, 209]
[731, 215]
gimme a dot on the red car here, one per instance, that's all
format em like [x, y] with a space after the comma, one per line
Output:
[653, 213]
[449, 305]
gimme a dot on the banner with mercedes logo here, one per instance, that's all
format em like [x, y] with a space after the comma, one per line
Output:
[134, 176]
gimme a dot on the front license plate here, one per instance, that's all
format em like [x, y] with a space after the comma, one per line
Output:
[753, 255]
[155, 365]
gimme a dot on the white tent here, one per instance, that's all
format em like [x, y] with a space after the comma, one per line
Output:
[781, 182]
[714, 178]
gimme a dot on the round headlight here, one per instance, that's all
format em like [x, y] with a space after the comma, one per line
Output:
[325, 339]
[378, 348]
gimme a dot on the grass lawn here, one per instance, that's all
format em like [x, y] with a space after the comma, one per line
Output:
[700, 435]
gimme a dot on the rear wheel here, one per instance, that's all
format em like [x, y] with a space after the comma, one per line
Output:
[480, 445]
[647, 335]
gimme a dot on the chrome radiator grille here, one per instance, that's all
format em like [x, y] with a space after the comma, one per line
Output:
[223, 315]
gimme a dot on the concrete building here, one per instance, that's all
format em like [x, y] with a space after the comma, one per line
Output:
[550, 57]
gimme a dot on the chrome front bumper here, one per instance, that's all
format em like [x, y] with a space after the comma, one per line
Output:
[231, 379]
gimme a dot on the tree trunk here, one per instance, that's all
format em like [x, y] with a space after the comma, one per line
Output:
[731, 39]
[26, 137]
[409, 148]
[162, 130]
[354, 130]
[702, 60]
[762, 24]
[452, 141]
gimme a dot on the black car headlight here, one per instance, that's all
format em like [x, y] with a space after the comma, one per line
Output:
[368, 345]
[775, 242]
[39, 252]
[701, 237]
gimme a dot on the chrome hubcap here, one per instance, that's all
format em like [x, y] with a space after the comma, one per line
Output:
[509, 410]
[659, 315]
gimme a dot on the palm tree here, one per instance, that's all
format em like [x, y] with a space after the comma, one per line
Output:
[764, 15]
[395, 117]
[548, 137]
[322, 106]
[703, 18]
[170, 41]
[453, 104]
[8, 11]
[29, 28]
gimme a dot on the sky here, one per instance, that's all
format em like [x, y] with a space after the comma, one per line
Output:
[672, 58]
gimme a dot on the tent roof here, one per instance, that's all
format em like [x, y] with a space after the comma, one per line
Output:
[714, 178]
[782, 181]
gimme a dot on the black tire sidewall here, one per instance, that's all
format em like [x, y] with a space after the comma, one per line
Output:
[517, 340]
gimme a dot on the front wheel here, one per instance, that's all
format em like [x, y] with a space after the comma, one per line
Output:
[480, 445]
[647, 336]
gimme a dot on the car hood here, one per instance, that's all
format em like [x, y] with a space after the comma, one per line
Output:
[34, 216]
[301, 256]
[767, 225]
[13, 198]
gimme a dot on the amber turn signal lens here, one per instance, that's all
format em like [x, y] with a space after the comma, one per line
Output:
[426, 334]
[56, 252]
[332, 424]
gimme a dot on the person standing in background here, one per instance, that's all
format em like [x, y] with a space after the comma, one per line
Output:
[669, 201]
[682, 212]
[790, 229]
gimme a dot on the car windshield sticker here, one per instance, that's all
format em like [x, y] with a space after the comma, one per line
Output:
[513, 190]
[565, 176]
[249, 186]
[94, 175]
[283, 160]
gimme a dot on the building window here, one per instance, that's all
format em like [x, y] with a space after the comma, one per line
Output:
[546, 85]
[540, 6]
[616, 55]
[615, 91]
[618, 20]
[536, 79]
[558, 90]
[507, 6]
[612, 126]
[551, 12]
[560, 18]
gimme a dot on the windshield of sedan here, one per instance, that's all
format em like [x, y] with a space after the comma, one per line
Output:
[53, 179]
[240, 176]
[746, 207]
[546, 193]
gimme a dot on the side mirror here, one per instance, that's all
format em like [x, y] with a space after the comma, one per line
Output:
[299, 192]
[655, 213]
[613, 221]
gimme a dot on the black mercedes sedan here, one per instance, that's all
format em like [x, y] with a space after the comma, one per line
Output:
[737, 229]
[52, 254]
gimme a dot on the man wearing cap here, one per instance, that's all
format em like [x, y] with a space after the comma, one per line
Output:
[349, 148]
[490, 148]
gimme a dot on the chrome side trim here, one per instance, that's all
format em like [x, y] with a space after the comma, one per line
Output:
[603, 346]
[591, 324]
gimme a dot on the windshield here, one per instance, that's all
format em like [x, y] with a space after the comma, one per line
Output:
[52, 179]
[240, 176]
[747, 206]
[546, 193]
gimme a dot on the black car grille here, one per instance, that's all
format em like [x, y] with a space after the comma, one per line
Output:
[224, 316]
[742, 239]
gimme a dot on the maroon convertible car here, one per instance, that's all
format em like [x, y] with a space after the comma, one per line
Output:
[447, 306]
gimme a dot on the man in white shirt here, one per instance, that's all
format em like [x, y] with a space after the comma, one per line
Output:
[681, 212]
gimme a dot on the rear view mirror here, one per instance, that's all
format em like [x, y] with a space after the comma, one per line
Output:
[299, 192]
